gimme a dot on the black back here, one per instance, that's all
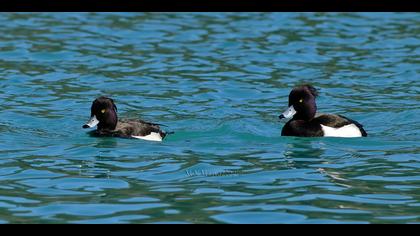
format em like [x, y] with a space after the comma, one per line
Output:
[313, 127]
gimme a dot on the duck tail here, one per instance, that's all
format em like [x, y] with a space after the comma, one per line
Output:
[163, 134]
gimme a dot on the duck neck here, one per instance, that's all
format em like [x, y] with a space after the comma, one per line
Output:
[110, 122]
[306, 114]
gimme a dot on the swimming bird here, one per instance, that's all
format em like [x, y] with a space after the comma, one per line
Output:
[104, 116]
[306, 123]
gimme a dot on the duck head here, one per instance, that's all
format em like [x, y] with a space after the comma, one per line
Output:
[302, 104]
[103, 114]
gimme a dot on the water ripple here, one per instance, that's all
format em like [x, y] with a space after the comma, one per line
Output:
[219, 80]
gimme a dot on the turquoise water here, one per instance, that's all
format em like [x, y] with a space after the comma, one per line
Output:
[219, 80]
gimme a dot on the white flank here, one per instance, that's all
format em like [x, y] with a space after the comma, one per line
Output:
[347, 131]
[151, 137]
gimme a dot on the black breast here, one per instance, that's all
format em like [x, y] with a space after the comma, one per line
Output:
[302, 128]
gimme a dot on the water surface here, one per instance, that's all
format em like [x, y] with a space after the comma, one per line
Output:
[219, 80]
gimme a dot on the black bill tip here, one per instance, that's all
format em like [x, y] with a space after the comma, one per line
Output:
[85, 126]
[281, 116]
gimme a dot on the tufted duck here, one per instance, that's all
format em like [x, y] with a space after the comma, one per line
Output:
[305, 123]
[104, 115]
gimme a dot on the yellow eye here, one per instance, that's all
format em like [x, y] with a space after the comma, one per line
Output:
[103, 111]
[301, 100]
